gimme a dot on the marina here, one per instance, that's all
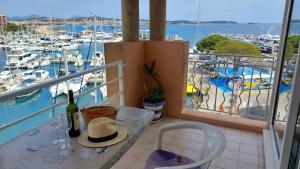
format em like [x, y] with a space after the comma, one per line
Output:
[61, 52]
[148, 84]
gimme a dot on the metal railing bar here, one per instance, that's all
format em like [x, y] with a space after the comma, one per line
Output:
[55, 105]
[235, 55]
[268, 95]
[216, 90]
[249, 94]
[12, 94]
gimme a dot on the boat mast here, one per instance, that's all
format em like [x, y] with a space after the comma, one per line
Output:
[66, 64]
[52, 47]
[95, 76]
[7, 60]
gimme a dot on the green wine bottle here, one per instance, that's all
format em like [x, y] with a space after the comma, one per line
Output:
[73, 116]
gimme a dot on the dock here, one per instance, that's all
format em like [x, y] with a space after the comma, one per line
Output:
[69, 61]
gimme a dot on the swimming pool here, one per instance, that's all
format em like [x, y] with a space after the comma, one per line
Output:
[230, 72]
[222, 83]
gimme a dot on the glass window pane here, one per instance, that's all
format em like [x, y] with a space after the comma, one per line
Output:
[287, 71]
[295, 149]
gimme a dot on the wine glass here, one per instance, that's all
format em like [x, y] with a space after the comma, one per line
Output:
[66, 148]
[58, 123]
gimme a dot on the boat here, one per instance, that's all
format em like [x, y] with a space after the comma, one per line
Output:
[103, 90]
[29, 74]
[10, 86]
[32, 64]
[91, 79]
[78, 63]
[5, 76]
[57, 90]
[24, 84]
[97, 59]
[3, 89]
[65, 46]
[19, 56]
[37, 76]
[75, 84]
[41, 75]
[45, 62]
[74, 57]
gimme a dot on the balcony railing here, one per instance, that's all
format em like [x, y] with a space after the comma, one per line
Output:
[21, 122]
[232, 84]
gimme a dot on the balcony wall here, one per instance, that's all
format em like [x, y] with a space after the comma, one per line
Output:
[171, 58]
[132, 53]
[172, 63]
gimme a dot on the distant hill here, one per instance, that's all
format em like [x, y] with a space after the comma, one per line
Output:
[84, 18]
[296, 21]
[29, 17]
[44, 18]
[201, 22]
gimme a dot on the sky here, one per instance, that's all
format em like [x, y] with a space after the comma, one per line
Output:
[259, 11]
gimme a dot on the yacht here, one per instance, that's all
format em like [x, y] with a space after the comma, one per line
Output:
[74, 57]
[37, 76]
[97, 59]
[45, 61]
[19, 56]
[5, 76]
[91, 78]
[7, 87]
[57, 90]
[24, 84]
[32, 64]
[66, 46]
[41, 75]
[78, 62]
[75, 84]
[29, 74]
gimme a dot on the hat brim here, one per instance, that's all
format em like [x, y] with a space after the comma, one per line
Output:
[83, 139]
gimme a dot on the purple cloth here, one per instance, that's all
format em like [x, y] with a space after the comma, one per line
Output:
[161, 158]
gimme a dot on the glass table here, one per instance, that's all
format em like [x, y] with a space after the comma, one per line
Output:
[45, 155]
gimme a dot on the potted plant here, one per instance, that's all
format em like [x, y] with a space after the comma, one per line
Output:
[155, 99]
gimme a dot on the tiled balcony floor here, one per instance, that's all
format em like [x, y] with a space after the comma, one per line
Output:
[243, 150]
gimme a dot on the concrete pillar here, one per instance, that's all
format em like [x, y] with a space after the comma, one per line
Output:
[130, 20]
[158, 19]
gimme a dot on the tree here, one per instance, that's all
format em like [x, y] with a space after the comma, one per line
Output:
[12, 27]
[208, 43]
[291, 50]
[236, 47]
[292, 45]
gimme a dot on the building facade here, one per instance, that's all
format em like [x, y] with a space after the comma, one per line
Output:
[3, 20]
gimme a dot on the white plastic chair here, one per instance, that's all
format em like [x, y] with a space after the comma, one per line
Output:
[212, 147]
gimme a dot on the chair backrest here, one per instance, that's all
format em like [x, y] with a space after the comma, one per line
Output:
[212, 147]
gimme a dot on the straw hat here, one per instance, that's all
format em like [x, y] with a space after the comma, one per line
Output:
[102, 132]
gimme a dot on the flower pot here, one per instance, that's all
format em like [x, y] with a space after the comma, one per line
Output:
[156, 107]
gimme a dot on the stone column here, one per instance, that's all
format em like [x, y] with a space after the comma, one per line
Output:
[130, 20]
[157, 20]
